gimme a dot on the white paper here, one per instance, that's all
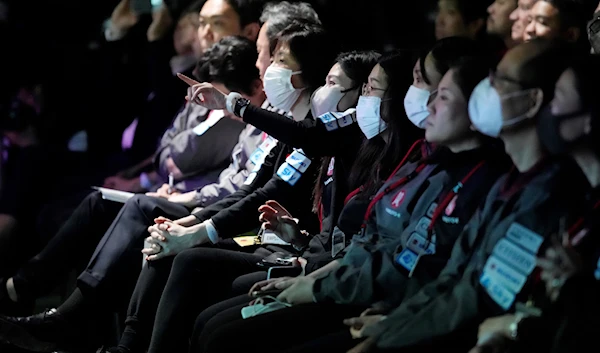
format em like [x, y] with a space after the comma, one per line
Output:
[114, 195]
[268, 237]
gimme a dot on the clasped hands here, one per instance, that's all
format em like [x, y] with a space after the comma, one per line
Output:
[168, 238]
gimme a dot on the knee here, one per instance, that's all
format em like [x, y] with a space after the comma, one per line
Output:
[94, 198]
[186, 260]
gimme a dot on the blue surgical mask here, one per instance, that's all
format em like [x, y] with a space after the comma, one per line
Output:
[368, 116]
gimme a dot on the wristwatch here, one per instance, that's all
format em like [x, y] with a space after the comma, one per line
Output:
[236, 103]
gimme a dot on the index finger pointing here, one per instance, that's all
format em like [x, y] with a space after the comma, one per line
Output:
[189, 81]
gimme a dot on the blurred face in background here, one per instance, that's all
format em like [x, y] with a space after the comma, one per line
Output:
[449, 21]
[544, 22]
[185, 34]
[217, 20]
[499, 22]
[520, 16]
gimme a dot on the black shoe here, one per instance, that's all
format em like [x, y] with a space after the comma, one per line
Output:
[42, 333]
[10, 308]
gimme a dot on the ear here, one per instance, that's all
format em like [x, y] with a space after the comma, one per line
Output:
[257, 87]
[474, 27]
[572, 34]
[251, 30]
[537, 97]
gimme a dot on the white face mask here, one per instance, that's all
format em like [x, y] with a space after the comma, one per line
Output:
[326, 99]
[279, 89]
[485, 109]
[368, 116]
[415, 104]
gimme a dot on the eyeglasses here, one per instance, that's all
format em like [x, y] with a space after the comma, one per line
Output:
[367, 89]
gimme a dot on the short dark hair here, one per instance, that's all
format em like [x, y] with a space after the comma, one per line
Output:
[468, 73]
[575, 13]
[231, 62]
[544, 69]
[312, 48]
[447, 51]
[282, 13]
[357, 65]
[249, 11]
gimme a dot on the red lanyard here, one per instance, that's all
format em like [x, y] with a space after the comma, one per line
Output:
[391, 187]
[446, 201]
[424, 152]
[578, 225]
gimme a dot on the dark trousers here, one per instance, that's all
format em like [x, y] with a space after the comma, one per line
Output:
[272, 332]
[170, 293]
[117, 260]
[71, 247]
[117, 243]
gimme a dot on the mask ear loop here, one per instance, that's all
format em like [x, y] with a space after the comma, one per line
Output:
[514, 121]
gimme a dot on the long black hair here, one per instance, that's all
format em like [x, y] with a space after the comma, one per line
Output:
[357, 65]
[377, 158]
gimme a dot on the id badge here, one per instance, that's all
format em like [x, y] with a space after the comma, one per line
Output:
[338, 243]
[407, 259]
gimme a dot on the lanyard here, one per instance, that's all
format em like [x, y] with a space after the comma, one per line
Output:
[391, 187]
[446, 201]
[424, 152]
[578, 225]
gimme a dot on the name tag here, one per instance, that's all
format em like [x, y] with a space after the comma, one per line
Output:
[329, 121]
[258, 156]
[268, 144]
[299, 161]
[422, 226]
[288, 174]
[419, 244]
[510, 253]
[524, 237]
[407, 259]
[504, 274]
[346, 118]
[431, 210]
[250, 179]
[497, 292]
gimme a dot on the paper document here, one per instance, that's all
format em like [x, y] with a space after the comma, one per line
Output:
[114, 195]
[268, 237]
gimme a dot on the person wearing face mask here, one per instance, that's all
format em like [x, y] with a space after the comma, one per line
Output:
[234, 215]
[332, 135]
[376, 159]
[428, 72]
[569, 267]
[368, 272]
[394, 266]
[491, 268]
